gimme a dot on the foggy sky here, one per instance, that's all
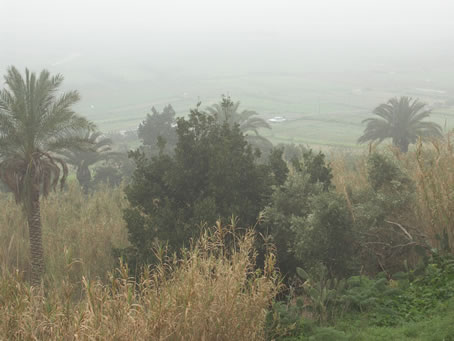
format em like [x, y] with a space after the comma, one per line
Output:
[58, 17]
[57, 21]
[103, 46]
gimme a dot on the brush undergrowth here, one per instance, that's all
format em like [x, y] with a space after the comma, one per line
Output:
[212, 292]
[399, 307]
[431, 167]
[77, 228]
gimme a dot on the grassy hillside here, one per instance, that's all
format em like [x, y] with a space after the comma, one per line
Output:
[205, 293]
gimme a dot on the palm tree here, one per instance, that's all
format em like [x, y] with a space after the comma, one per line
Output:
[82, 159]
[35, 123]
[227, 111]
[401, 120]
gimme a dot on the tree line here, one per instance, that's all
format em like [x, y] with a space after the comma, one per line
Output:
[212, 165]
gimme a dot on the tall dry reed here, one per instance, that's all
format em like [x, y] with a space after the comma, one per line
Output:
[434, 176]
[77, 227]
[213, 292]
[431, 167]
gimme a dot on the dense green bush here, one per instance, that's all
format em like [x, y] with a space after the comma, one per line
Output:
[418, 298]
[408, 296]
[108, 175]
[316, 167]
[157, 132]
[407, 299]
[308, 221]
[292, 151]
[288, 203]
[381, 209]
[285, 321]
[325, 235]
[114, 171]
[212, 174]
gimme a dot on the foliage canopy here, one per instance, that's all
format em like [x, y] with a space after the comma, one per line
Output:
[400, 119]
[158, 130]
[36, 123]
[213, 174]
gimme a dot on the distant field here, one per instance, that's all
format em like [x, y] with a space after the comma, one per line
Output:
[324, 88]
[321, 108]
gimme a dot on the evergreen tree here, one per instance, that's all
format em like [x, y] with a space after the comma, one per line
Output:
[158, 130]
[212, 174]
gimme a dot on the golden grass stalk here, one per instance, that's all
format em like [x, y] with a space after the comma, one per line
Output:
[75, 226]
[431, 167]
[212, 292]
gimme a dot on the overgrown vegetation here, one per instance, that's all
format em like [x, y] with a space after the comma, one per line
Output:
[365, 308]
[403, 260]
[35, 125]
[212, 175]
[76, 228]
[212, 292]
[157, 132]
[82, 159]
[332, 248]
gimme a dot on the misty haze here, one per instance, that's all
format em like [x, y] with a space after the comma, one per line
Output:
[322, 66]
[226, 170]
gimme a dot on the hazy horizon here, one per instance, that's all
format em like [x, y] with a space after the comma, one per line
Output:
[274, 56]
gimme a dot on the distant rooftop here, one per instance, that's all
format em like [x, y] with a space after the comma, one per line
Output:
[277, 119]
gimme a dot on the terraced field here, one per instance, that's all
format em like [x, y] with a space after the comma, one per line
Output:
[321, 108]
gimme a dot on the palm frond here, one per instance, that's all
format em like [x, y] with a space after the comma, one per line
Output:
[34, 122]
[400, 119]
[254, 123]
[376, 130]
[259, 142]
[429, 129]
[94, 150]
[227, 111]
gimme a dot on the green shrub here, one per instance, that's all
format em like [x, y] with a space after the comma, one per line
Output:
[326, 235]
[285, 321]
[323, 292]
[316, 167]
[212, 174]
[289, 203]
[328, 334]
[406, 297]
[308, 222]
[382, 210]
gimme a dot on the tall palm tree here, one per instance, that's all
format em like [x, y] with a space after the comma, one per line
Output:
[400, 119]
[227, 111]
[35, 123]
[82, 159]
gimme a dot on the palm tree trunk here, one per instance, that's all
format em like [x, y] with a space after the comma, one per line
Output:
[401, 143]
[84, 177]
[36, 243]
[403, 146]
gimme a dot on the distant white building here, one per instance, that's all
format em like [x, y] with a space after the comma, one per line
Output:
[277, 119]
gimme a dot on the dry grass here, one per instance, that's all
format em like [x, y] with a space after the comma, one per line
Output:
[434, 176]
[75, 227]
[431, 166]
[212, 293]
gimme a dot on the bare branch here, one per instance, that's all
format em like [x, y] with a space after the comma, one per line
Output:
[402, 229]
